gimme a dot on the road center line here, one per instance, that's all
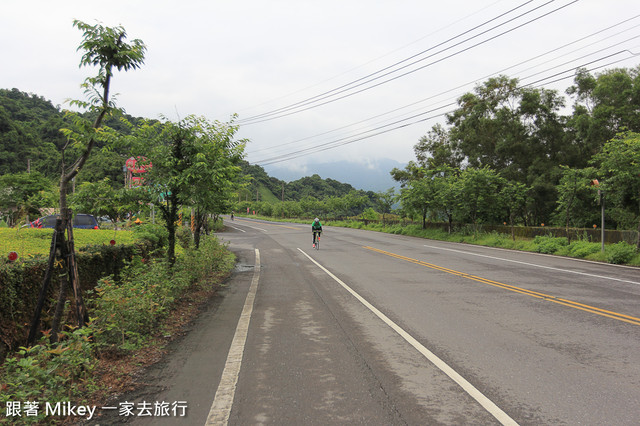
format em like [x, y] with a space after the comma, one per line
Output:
[223, 401]
[549, 298]
[485, 402]
[535, 265]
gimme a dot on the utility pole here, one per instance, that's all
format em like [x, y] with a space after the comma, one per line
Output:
[283, 191]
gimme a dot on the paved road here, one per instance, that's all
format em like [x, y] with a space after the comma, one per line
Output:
[384, 329]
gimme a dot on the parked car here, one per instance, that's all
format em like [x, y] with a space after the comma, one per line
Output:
[80, 221]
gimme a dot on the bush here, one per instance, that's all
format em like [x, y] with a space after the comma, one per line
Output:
[125, 311]
[582, 248]
[620, 253]
[51, 373]
[548, 244]
[184, 236]
[156, 234]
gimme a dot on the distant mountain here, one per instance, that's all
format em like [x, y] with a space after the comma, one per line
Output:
[368, 177]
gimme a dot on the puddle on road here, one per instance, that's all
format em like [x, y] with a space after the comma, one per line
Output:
[244, 268]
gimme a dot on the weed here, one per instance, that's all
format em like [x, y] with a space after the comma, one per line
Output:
[620, 253]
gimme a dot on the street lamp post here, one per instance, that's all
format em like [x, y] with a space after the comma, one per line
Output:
[601, 202]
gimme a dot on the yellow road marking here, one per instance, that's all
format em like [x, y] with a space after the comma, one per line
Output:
[565, 302]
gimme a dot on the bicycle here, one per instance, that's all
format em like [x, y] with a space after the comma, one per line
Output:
[316, 239]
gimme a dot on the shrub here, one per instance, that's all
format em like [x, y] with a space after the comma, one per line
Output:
[620, 253]
[582, 248]
[548, 244]
[51, 373]
[184, 236]
[156, 234]
[126, 310]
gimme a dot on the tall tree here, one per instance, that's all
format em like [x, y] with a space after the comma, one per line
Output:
[436, 149]
[619, 167]
[576, 203]
[107, 49]
[479, 197]
[194, 164]
[604, 104]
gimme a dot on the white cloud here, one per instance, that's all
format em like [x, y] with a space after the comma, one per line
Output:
[250, 57]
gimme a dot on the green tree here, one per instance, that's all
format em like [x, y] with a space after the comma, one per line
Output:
[22, 195]
[604, 104]
[195, 164]
[416, 198]
[619, 167]
[214, 174]
[105, 48]
[385, 201]
[102, 199]
[513, 196]
[517, 132]
[576, 203]
[478, 192]
[436, 149]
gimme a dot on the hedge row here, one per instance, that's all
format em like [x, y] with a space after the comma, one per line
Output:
[20, 284]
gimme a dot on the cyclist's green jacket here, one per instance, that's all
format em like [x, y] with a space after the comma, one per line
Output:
[316, 226]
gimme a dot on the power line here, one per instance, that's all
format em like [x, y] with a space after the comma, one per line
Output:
[315, 101]
[490, 75]
[384, 129]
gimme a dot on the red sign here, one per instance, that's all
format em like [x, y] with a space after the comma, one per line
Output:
[138, 165]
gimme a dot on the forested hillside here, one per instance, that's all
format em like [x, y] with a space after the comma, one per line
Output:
[30, 137]
[31, 141]
[309, 186]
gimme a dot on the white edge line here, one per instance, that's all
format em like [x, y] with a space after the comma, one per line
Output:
[237, 229]
[535, 265]
[254, 227]
[223, 400]
[488, 405]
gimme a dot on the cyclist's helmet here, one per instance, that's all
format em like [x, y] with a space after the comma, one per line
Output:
[316, 220]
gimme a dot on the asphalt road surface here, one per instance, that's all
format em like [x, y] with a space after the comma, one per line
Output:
[382, 329]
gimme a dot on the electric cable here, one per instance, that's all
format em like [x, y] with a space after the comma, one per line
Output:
[316, 101]
[383, 129]
[490, 75]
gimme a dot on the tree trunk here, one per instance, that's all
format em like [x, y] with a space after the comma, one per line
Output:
[35, 323]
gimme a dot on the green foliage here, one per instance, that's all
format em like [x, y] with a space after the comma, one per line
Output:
[184, 237]
[155, 234]
[126, 310]
[548, 244]
[619, 163]
[620, 253]
[24, 194]
[580, 249]
[49, 373]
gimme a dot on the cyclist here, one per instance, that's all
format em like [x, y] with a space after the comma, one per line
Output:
[316, 229]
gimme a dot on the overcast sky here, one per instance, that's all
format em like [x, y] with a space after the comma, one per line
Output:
[216, 58]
